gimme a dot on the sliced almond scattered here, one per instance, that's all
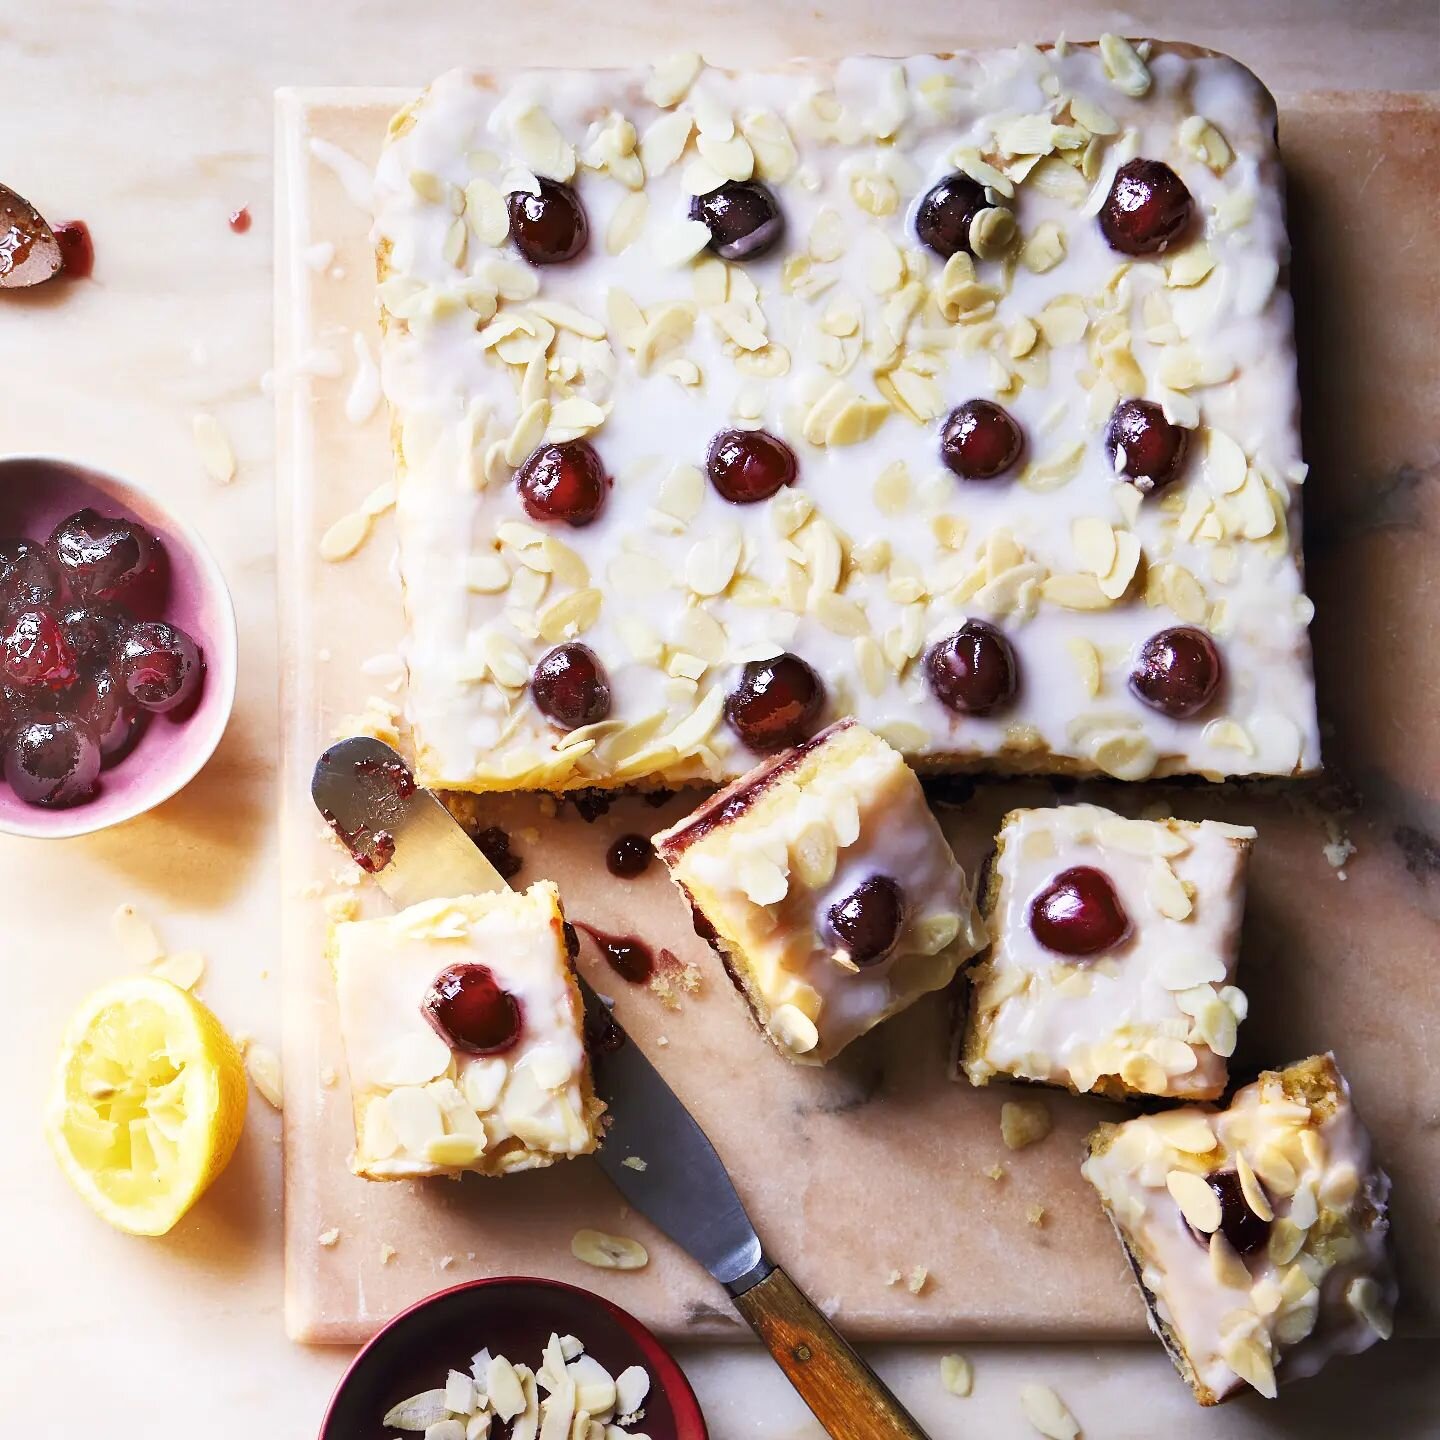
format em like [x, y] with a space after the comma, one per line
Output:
[957, 1375]
[136, 936]
[608, 1252]
[264, 1067]
[216, 453]
[1047, 1413]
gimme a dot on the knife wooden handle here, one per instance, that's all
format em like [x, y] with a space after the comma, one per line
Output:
[848, 1398]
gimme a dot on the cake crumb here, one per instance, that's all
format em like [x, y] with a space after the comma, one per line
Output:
[342, 907]
[387, 1252]
[634, 1162]
[549, 806]
[957, 1375]
[1035, 1215]
[893, 1278]
[446, 1261]
[1023, 1122]
[662, 1040]
[1047, 1413]
[329, 1238]
[917, 1280]
[995, 1171]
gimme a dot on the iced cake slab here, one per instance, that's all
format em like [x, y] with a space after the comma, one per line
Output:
[841, 333]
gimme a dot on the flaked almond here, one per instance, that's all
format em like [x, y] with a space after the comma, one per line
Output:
[608, 1252]
[1198, 1203]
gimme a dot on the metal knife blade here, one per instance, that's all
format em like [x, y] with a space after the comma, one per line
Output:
[414, 849]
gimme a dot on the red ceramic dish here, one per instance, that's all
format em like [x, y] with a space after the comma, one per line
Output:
[35, 493]
[514, 1317]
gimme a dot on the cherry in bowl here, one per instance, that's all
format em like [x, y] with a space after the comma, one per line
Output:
[101, 559]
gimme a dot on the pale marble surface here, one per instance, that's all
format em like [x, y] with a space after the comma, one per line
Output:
[153, 122]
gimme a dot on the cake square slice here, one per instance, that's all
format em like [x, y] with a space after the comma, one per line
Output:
[1112, 953]
[1257, 1233]
[692, 369]
[462, 1024]
[827, 888]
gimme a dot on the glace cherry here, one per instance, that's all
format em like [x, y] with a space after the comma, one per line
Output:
[26, 575]
[34, 653]
[943, 218]
[1239, 1224]
[52, 761]
[94, 632]
[107, 713]
[1144, 447]
[980, 440]
[1078, 913]
[1147, 209]
[629, 856]
[159, 666]
[749, 465]
[550, 227]
[468, 1010]
[102, 557]
[1177, 671]
[776, 704]
[571, 687]
[974, 671]
[563, 482]
[867, 922]
[744, 218]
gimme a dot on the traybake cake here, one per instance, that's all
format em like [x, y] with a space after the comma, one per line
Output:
[462, 1026]
[1257, 1233]
[955, 393]
[1112, 954]
[828, 889]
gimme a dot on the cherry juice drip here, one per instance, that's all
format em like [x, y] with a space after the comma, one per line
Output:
[629, 956]
[76, 247]
[240, 221]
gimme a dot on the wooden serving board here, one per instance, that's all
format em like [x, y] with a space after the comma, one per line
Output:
[878, 1163]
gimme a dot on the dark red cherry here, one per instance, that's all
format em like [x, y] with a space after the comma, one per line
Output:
[980, 440]
[629, 856]
[973, 671]
[943, 218]
[52, 760]
[1144, 447]
[749, 465]
[76, 248]
[468, 1010]
[1147, 209]
[1078, 913]
[34, 653]
[1177, 671]
[102, 557]
[744, 217]
[26, 575]
[159, 666]
[493, 843]
[563, 482]
[14, 710]
[1239, 1224]
[571, 687]
[550, 227]
[94, 632]
[776, 704]
[108, 714]
[866, 923]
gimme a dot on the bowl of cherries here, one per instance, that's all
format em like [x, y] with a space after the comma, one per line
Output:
[117, 650]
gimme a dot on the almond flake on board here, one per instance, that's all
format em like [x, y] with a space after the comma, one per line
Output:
[264, 1067]
[216, 453]
[608, 1252]
[1045, 1410]
[957, 1375]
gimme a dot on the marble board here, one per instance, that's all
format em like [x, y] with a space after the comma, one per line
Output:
[878, 1163]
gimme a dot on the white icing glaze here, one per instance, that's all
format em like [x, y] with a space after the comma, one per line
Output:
[1331, 1159]
[1039, 1016]
[457, 401]
[523, 1108]
[865, 808]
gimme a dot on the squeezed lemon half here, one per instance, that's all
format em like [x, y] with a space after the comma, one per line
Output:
[149, 1103]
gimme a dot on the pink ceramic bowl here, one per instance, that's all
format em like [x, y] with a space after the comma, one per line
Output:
[512, 1317]
[36, 493]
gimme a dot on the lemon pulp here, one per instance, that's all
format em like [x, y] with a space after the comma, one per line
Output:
[149, 1103]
